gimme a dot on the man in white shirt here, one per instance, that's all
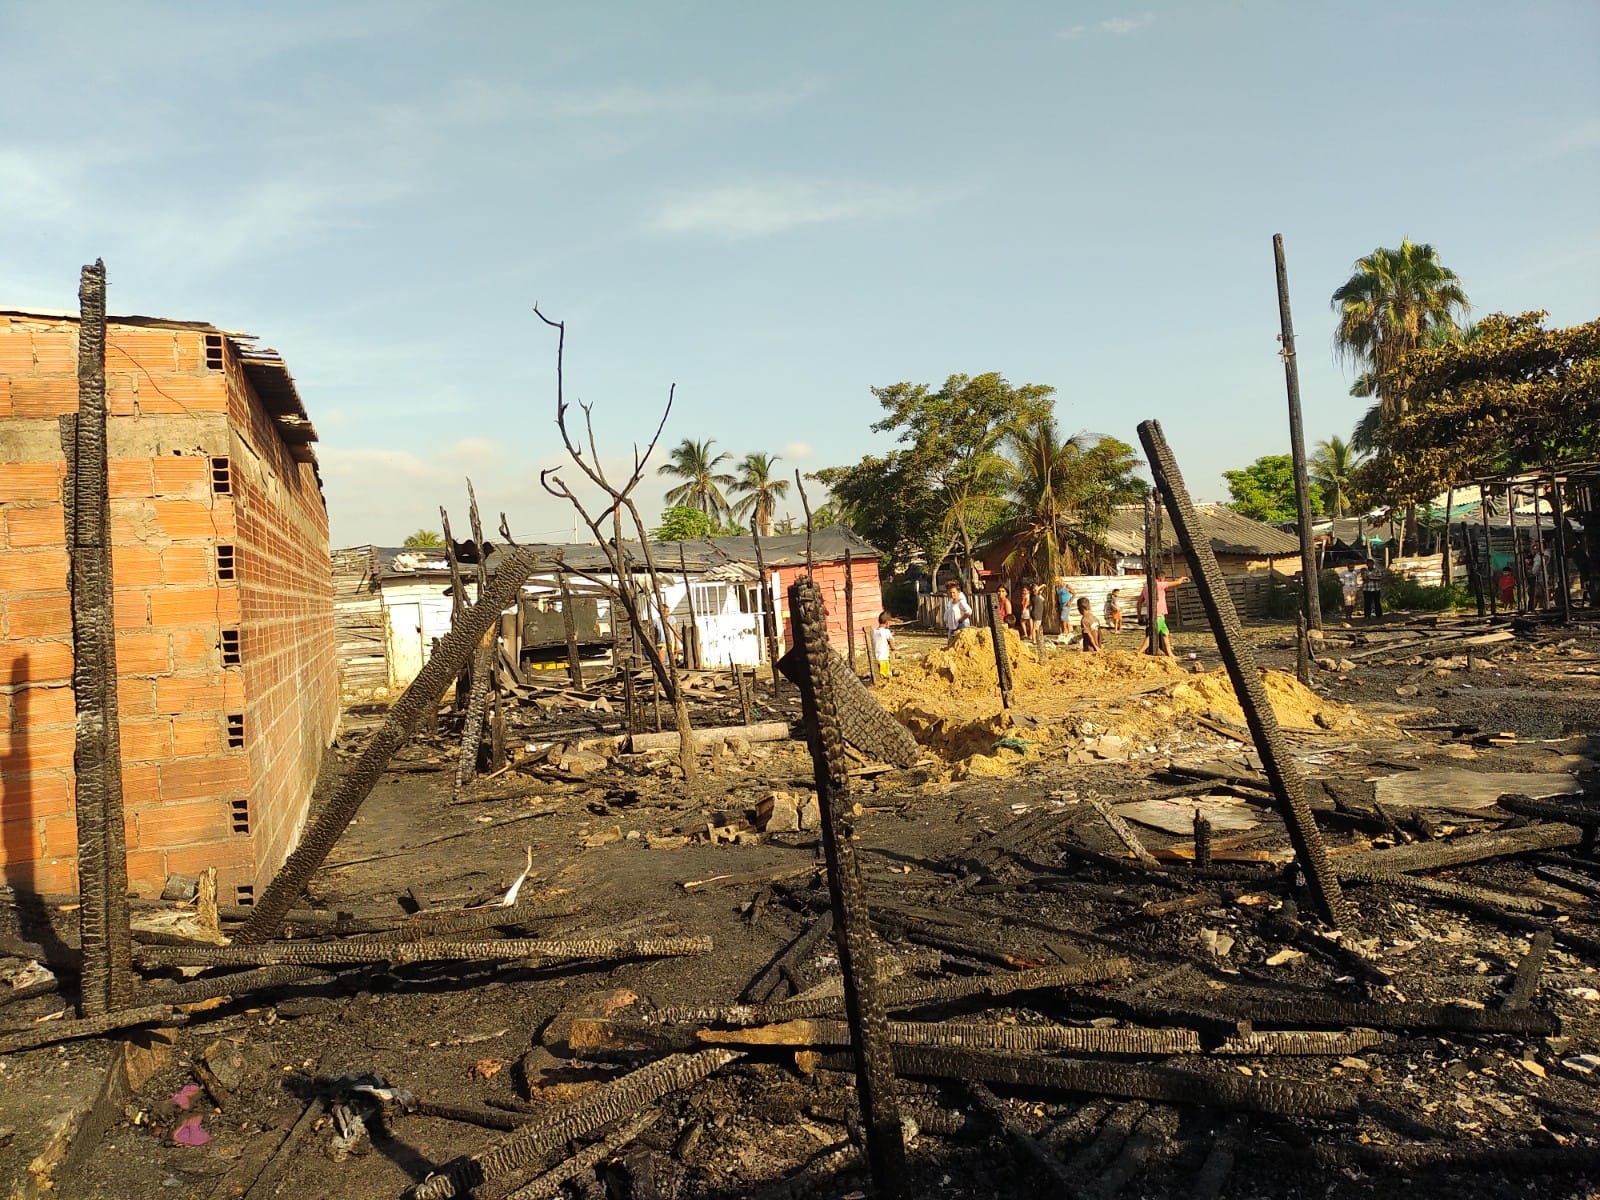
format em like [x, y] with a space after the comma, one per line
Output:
[957, 612]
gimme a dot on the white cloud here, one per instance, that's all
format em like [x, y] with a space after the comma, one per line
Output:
[761, 208]
[1114, 26]
[796, 451]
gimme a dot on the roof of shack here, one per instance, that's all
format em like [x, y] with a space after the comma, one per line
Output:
[1228, 532]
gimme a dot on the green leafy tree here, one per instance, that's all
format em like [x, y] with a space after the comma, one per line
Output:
[1265, 490]
[424, 539]
[1332, 468]
[1515, 396]
[683, 523]
[695, 464]
[950, 460]
[885, 501]
[759, 488]
[1062, 496]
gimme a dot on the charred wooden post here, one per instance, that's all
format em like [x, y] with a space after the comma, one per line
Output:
[1521, 576]
[1202, 839]
[850, 608]
[1277, 764]
[691, 644]
[630, 703]
[107, 981]
[1558, 511]
[875, 1082]
[872, 664]
[1302, 650]
[569, 626]
[1002, 661]
[736, 677]
[655, 699]
[1311, 601]
[1447, 563]
[458, 605]
[769, 606]
[1488, 552]
[353, 787]
[477, 705]
[1152, 547]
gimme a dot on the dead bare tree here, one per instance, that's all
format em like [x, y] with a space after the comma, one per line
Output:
[587, 457]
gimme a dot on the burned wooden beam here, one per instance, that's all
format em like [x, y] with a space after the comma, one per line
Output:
[1124, 833]
[453, 651]
[1167, 1085]
[107, 979]
[863, 722]
[760, 989]
[1475, 847]
[826, 735]
[1277, 763]
[1526, 980]
[1021, 1138]
[908, 994]
[606, 1103]
[549, 1183]
[50, 1033]
[400, 953]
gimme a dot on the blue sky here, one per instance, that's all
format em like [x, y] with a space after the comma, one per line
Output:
[780, 206]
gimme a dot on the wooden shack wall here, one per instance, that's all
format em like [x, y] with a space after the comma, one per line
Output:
[360, 628]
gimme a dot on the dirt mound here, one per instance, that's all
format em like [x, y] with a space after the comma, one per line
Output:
[1296, 705]
[950, 701]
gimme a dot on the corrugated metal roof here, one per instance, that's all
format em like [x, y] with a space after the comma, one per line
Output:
[707, 555]
[1229, 532]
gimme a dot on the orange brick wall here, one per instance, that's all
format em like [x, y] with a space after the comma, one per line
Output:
[170, 415]
[866, 592]
[291, 668]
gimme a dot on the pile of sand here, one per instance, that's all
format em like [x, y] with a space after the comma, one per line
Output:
[950, 701]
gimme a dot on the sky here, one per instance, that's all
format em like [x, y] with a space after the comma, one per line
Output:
[777, 207]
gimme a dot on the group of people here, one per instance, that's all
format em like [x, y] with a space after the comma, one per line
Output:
[1367, 583]
[958, 613]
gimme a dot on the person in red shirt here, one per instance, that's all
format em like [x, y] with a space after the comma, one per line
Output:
[1157, 633]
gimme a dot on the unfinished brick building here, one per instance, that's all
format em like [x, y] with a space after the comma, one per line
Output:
[227, 679]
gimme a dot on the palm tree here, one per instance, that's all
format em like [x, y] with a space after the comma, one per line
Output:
[1331, 464]
[1394, 302]
[1063, 492]
[424, 539]
[702, 483]
[761, 490]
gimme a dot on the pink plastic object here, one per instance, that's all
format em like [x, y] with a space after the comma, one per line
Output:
[185, 1094]
[190, 1133]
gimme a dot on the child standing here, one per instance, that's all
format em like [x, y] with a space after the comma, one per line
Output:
[1025, 614]
[883, 644]
[1090, 624]
[1114, 609]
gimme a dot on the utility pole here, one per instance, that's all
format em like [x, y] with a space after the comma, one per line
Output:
[1297, 443]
